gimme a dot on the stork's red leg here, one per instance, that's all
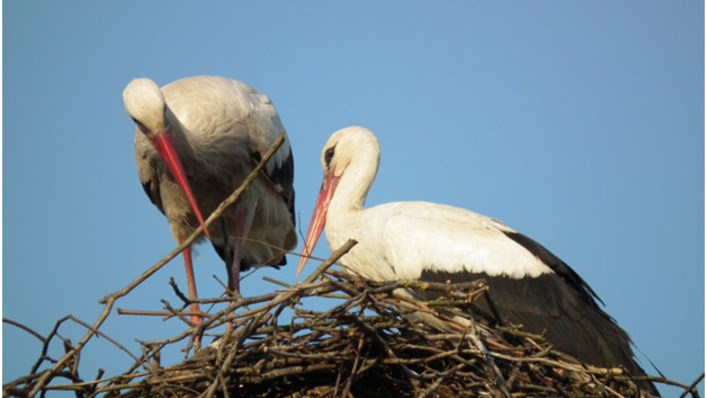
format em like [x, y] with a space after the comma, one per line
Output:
[244, 219]
[191, 284]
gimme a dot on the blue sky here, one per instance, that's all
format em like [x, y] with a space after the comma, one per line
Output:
[580, 124]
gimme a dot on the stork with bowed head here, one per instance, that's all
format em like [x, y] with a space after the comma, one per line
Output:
[196, 141]
[434, 242]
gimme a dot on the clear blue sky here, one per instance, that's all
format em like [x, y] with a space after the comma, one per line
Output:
[578, 123]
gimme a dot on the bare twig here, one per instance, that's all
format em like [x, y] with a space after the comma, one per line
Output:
[692, 388]
[25, 328]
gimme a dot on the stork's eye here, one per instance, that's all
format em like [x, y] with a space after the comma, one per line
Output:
[328, 155]
[139, 124]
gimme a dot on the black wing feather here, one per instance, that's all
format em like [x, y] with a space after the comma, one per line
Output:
[557, 265]
[548, 305]
[152, 190]
[284, 175]
[560, 305]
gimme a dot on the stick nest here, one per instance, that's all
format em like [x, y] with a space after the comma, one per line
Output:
[370, 345]
[369, 342]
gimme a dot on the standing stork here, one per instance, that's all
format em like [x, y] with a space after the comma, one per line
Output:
[196, 140]
[433, 242]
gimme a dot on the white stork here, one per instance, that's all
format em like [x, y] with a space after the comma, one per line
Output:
[196, 140]
[433, 242]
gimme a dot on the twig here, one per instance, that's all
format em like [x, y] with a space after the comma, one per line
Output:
[178, 292]
[25, 328]
[500, 381]
[124, 311]
[105, 336]
[692, 388]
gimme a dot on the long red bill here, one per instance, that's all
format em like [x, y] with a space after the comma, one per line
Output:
[318, 218]
[164, 145]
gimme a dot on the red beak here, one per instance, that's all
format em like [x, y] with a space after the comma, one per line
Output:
[318, 218]
[164, 145]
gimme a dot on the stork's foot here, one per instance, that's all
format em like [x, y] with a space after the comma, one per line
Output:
[236, 294]
[197, 342]
[196, 320]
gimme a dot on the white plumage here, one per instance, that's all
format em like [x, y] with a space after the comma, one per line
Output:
[413, 236]
[212, 131]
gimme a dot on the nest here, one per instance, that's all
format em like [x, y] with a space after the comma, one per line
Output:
[370, 342]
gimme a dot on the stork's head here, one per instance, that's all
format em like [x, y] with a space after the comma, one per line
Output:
[346, 147]
[146, 105]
